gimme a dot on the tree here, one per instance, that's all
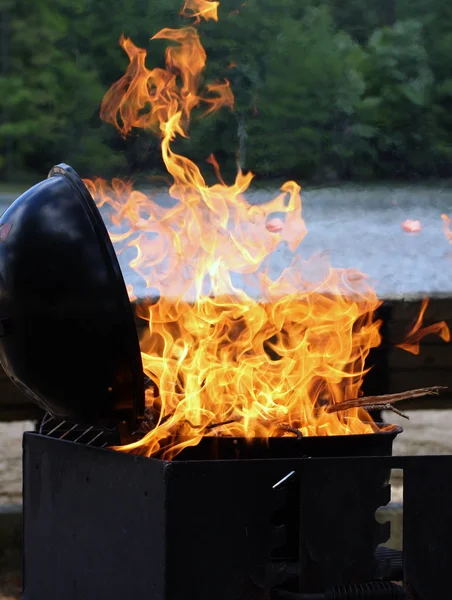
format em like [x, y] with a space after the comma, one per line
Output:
[393, 128]
[51, 91]
[311, 88]
[359, 19]
[323, 88]
[436, 19]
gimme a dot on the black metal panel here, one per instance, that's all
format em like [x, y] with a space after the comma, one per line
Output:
[220, 529]
[427, 527]
[94, 525]
[338, 531]
[101, 524]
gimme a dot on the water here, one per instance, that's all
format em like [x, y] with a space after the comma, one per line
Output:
[360, 227]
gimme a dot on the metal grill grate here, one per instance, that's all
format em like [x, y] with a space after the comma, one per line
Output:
[87, 435]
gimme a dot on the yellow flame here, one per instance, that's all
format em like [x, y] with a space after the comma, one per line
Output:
[446, 228]
[201, 9]
[417, 332]
[216, 352]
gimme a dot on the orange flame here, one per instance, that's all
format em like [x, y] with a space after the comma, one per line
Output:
[446, 228]
[227, 343]
[417, 333]
[125, 104]
[411, 226]
[200, 9]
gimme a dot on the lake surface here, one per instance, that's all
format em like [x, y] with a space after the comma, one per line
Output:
[359, 227]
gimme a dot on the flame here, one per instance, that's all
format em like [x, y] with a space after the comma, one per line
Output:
[446, 228]
[415, 335]
[230, 349]
[411, 226]
[200, 9]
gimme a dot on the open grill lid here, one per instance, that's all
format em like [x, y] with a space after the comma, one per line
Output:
[67, 332]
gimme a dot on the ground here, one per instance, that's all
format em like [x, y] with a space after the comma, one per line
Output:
[11, 460]
[10, 587]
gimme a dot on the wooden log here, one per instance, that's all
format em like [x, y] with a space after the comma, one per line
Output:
[403, 379]
[385, 400]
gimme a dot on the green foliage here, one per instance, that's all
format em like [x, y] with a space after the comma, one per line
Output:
[357, 20]
[51, 93]
[323, 88]
[311, 89]
[393, 119]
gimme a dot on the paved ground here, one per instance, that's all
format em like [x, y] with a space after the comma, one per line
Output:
[11, 460]
[427, 432]
[10, 587]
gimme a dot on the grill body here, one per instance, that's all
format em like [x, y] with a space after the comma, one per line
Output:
[102, 524]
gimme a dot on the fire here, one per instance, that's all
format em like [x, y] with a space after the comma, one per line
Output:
[207, 9]
[417, 332]
[230, 350]
[411, 226]
[446, 228]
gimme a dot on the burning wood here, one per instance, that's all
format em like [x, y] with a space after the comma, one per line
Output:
[211, 426]
[369, 403]
[385, 401]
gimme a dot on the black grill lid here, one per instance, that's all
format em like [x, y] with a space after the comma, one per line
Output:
[67, 331]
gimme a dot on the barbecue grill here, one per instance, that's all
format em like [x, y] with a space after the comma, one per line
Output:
[285, 518]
